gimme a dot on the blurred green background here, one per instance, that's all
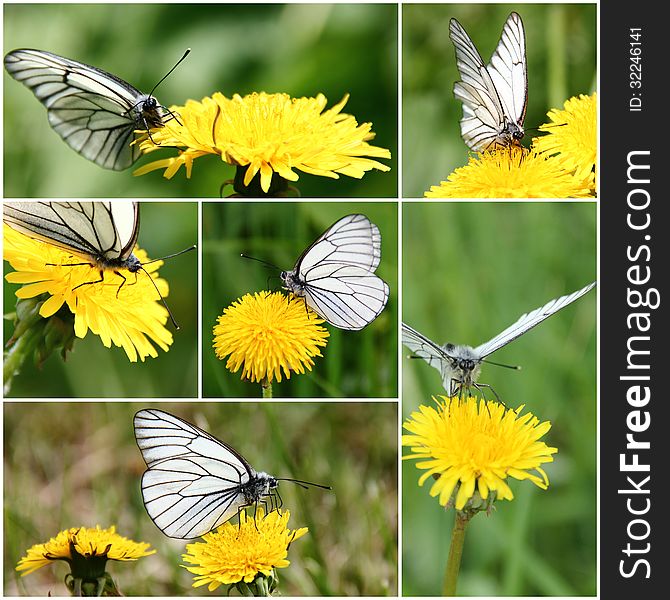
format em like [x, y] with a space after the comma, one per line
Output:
[354, 363]
[469, 271]
[91, 370]
[561, 57]
[77, 464]
[299, 49]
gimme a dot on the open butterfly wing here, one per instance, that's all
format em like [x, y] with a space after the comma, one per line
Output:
[106, 230]
[338, 273]
[529, 320]
[92, 110]
[353, 240]
[424, 348]
[347, 296]
[508, 69]
[193, 480]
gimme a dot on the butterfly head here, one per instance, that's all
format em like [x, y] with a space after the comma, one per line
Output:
[291, 282]
[511, 134]
[259, 486]
[462, 368]
[149, 112]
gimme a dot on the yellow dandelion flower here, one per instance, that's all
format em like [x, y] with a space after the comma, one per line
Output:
[241, 553]
[94, 546]
[130, 315]
[572, 137]
[270, 135]
[268, 333]
[469, 447]
[510, 173]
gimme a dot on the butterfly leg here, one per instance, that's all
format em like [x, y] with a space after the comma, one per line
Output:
[102, 278]
[122, 283]
[479, 386]
[278, 501]
[173, 115]
[148, 130]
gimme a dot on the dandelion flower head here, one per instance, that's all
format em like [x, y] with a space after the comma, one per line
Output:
[83, 543]
[267, 134]
[130, 316]
[267, 334]
[510, 173]
[235, 553]
[572, 136]
[468, 446]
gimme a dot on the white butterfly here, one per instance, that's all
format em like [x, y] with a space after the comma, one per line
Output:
[494, 96]
[459, 366]
[104, 233]
[194, 482]
[95, 112]
[335, 275]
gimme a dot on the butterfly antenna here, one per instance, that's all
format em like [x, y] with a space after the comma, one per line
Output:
[260, 260]
[174, 323]
[514, 367]
[188, 50]
[193, 247]
[305, 484]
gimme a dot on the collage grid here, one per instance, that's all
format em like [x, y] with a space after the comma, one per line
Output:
[321, 388]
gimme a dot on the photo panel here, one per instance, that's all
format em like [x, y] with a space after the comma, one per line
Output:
[68, 334]
[307, 93]
[77, 465]
[471, 270]
[499, 100]
[339, 330]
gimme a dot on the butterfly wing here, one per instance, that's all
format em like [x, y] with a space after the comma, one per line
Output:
[337, 271]
[347, 297]
[508, 70]
[493, 96]
[104, 230]
[434, 354]
[192, 483]
[352, 240]
[93, 111]
[528, 321]
[424, 348]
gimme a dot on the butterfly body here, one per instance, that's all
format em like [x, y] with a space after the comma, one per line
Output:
[494, 96]
[94, 112]
[461, 369]
[259, 485]
[460, 366]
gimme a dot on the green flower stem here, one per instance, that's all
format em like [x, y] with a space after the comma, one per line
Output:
[267, 388]
[14, 359]
[455, 553]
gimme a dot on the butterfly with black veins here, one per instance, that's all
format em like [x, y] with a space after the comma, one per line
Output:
[104, 233]
[460, 366]
[194, 482]
[95, 112]
[336, 274]
[494, 96]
